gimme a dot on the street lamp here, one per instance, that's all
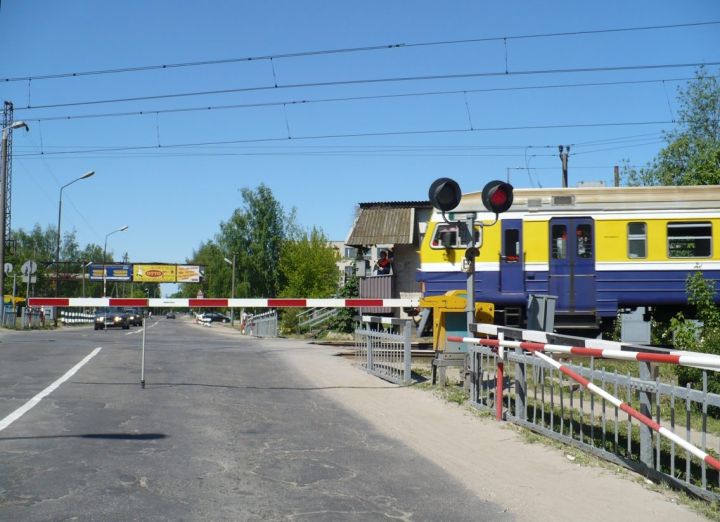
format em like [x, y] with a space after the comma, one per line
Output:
[3, 197]
[57, 249]
[121, 229]
[232, 290]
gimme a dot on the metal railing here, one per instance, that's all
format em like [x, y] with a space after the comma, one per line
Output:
[543, 399]
[262, 325]
[316, 316]
[386, 354]
[32, 318]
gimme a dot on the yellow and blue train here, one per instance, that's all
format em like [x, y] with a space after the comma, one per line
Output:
[600, 250]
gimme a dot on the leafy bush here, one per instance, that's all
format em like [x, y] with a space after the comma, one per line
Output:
[701, 336]
[289, 321]
[344, 321]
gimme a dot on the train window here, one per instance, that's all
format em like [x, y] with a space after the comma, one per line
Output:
[689, 239]
[446, 236]
[637, 240]
[559, 242]
[512, 245]
[584, 241]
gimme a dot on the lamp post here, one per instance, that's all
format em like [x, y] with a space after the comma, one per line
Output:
[232, 289]
[84, 267]
[57, 248]
[125, 227]
[3, 190]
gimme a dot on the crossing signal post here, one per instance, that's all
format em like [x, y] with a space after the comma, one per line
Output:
[497, 197]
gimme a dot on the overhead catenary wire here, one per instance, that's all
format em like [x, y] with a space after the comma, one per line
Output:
[285, 103]
[353, 135]
[381, 47]
[365, 81]
[404, 147]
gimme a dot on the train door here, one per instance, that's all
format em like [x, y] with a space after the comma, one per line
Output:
[572, 264]
[512, 278]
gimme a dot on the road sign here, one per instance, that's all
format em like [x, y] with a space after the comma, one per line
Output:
[29, 267]
[200, 294]
[8, 268]
[33, 279]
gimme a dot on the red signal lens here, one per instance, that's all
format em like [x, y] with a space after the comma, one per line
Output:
[498, 198]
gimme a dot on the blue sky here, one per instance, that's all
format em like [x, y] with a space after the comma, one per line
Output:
[173, 198]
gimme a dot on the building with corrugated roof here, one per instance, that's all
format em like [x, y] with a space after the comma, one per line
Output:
[395, 226]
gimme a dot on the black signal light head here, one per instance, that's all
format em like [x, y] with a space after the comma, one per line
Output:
[444, 194]
[497, 196]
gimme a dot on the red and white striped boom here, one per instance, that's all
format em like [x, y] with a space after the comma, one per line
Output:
[99, 302]
[705, 361]
[647, 421]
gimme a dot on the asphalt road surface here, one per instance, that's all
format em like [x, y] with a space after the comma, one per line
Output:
[222, 431]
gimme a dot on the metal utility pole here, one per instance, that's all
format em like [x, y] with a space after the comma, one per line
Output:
[470, 260]
[121, 229]
[4, 161]
[57, 246]
[232, 289]
[564, 153]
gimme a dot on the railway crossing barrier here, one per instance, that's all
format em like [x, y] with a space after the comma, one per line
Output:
[385, 354]
[655, 428]
[100, 302]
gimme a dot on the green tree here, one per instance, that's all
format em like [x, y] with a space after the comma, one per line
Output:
[216, 282]
[308, 266]
[692, 154]
[344, 321]
[39, 245]
[255, 234]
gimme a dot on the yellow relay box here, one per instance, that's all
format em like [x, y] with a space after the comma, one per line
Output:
[449, 318]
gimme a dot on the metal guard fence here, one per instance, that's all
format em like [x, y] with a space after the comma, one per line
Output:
[385, 354]
[29, 318]
[542, 399]
[262, 325]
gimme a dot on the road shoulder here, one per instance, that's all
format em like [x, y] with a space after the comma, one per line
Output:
[536, 482]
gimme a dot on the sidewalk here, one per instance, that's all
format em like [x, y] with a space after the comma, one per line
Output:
[535, 482]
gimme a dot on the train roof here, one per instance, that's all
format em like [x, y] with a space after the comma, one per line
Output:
[606, 198]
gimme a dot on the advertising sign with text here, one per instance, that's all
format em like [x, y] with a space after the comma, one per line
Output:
[114, 272]
[188, 274]
[154, 273]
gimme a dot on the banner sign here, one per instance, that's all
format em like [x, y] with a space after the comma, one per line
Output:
[154, 273]
[114, 272]
[189, 274]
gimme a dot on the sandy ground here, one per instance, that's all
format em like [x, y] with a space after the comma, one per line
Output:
[534, 481]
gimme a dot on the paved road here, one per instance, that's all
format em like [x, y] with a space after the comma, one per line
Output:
[221, 432]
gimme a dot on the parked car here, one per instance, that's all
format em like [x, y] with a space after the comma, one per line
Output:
[135, 316]
[170, 315]
[111, 317]
[215, 317]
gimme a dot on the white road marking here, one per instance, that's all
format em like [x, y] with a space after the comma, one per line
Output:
[140, 330]
[22, 410]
